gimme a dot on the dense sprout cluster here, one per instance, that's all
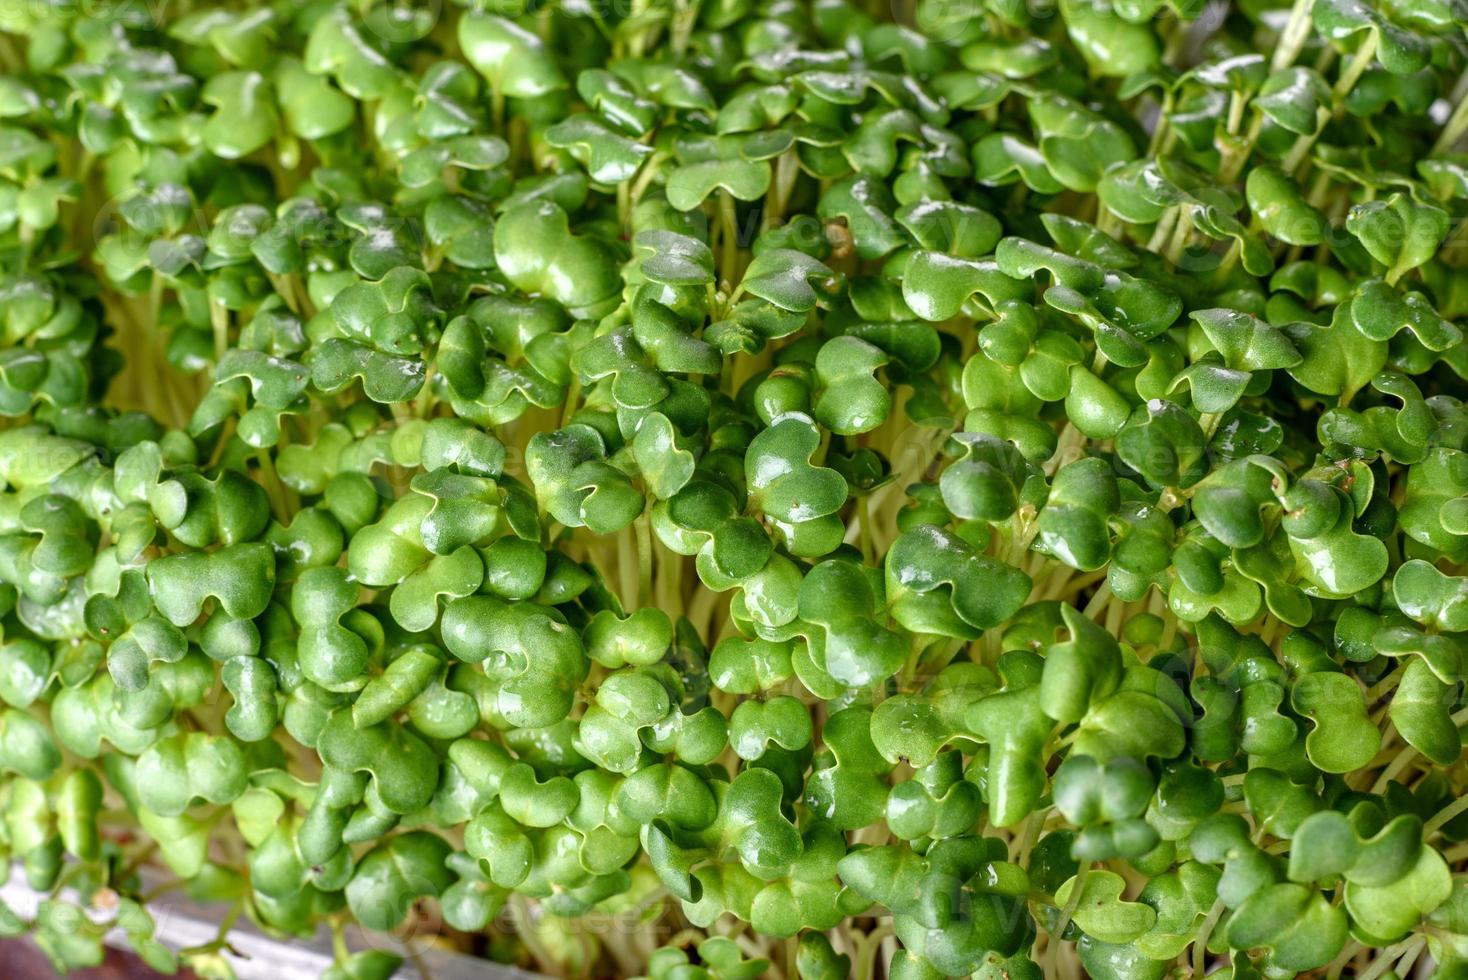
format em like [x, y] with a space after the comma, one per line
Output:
[732, 489]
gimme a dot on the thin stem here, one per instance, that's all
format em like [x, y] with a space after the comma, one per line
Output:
[1098, 601]
[1404, 965]
[1296, 32]
[1180, 235]
[339, 939]
[161, 890]
[643, 527]
[627, 571]
[1354, 69]
[282, 288]
[497, 106]
[1444, 815]
[423, 404]
[415, 956]
[1236, 105]
[866, 951]
[221, 936]
[136, 861]
[1391, 954]
[1457, 123]
[685, 17]
[219, 320]
[1384, 687]
[1351, 950]
[1393, 769]
[1052, 948]
[1034, 823]
[1161, 129]
[864, 519]
[525, 930]
[573, 399]
[1163, 229]
[1067, 448]
[1200, 945]
[1237, 153]
[274, 491]
[650, 170]
[728, 238]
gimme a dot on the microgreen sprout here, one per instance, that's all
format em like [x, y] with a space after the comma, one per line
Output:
[729, 489]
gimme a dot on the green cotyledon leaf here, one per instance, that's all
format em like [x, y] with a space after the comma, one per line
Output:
[1431, 597]
[535, 249]
[1399, 233]
[936, 583]
[800, 497]
[1299, 927]
[534, 662]
[690, 184]
[846, 785]
[396, 873]
[177, 770]
[239, 577]
[791, 280]
[403, 768]
[853, 400]
[1015, 727]
[1389, 910]
[513, 59]
[245, 117]
[1101, 912]
[575, 484]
